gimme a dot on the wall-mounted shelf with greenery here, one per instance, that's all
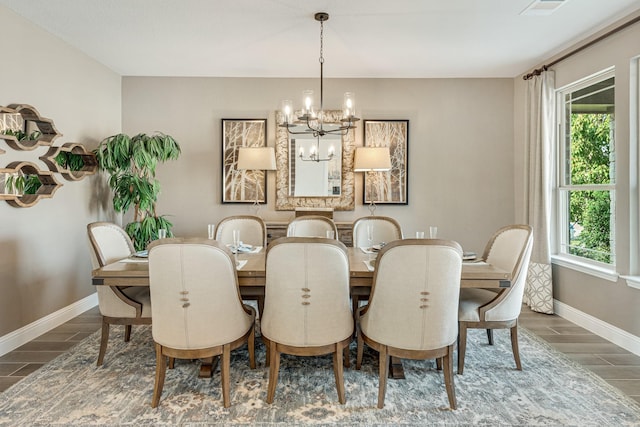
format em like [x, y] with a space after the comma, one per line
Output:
[23, 184]
[24, 129]
[71, 160]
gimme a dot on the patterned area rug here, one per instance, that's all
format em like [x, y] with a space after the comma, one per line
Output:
[551, 390]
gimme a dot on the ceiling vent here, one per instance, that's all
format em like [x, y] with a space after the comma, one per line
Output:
[543, 7]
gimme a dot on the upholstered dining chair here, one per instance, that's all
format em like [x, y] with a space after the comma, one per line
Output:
[118, 305]
[196, 307]
[306, 310]
[385, 229]
[253, 230]
[412, 311]
[311, 226]
[509, 249]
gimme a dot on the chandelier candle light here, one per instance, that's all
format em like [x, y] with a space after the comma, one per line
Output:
[312, 121]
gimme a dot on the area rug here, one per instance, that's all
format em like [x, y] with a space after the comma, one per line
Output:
[551, 390]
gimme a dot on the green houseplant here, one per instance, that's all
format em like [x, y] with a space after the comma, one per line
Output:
[131, 164]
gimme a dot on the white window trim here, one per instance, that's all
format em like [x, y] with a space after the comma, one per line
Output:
[584, 265]
[577, 264]
[632, 281]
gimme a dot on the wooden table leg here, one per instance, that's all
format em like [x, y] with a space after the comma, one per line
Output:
[208, 366]
[396, 371]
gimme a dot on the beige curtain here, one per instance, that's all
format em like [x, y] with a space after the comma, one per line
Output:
[539, 122]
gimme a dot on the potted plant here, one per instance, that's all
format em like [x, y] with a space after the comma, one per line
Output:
[131, 164]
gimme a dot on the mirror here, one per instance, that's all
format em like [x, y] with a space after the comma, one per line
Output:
[315, 178]
[327, 184]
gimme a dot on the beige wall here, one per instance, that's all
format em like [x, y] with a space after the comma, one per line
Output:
[460, 146]
[460, 156]
[44, 263]
[612, 302]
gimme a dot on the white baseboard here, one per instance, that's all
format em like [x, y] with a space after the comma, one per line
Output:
[21, 336]
[609, 332]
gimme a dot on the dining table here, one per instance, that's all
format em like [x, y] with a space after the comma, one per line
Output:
[134, 271]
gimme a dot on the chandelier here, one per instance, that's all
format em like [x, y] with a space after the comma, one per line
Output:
[312, 122]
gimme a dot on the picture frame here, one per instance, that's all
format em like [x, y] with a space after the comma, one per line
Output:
[242, 186]
[389, 187]
[285, 201]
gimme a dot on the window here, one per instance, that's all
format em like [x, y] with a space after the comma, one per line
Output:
[586, 171]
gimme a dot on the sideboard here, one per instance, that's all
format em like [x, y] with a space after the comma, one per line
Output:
[277, 229]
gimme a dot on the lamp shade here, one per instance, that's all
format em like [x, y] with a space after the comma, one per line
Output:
[256, 158]
[372, 159]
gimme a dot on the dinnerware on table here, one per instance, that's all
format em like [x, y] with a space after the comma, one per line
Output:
[433, 232]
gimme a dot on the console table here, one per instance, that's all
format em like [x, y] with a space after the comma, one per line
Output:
[277, 229]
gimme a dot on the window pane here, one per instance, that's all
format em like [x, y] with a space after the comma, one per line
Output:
[590, 225]
[589, 134]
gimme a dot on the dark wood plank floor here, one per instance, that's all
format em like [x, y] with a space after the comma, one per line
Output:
[614, 364]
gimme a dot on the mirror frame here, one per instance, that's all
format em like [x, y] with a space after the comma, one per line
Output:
[285, 202]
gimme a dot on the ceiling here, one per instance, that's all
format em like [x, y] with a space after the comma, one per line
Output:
[280, 38]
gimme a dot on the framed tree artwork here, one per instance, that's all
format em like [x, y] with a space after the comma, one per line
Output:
[242, 186]
[388, 187]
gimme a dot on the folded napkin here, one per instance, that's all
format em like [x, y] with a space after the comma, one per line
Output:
[370, 266]
[241, 263]
[246, 249]
[373, 249]
[475, 262]
[468, 256]
[134, 259]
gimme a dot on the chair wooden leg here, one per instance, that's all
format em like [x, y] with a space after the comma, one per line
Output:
[490, 336]
[439, 363]
[462, 345]
[338, 373]
[514, 346]
[267, 355]
[224, 374]
[161, 368]
[359, 351]
[382, 370]
[355, 303]
[172, 362]
[346, 356]
[260, 306]
[448, 377]
[274, 367]
[104, 339]
[251, 346]
[127, 333]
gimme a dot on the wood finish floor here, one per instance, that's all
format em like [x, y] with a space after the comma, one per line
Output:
[614, 364]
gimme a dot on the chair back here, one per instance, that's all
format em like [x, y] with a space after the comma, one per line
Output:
[414, 299]
[385, 229]
[109, 243]
[311, 226]
[509, 249]
[253, 230]
[195, 299]
[307, 292]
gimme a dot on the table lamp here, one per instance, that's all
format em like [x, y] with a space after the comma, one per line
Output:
[371, 159]
[257, 158]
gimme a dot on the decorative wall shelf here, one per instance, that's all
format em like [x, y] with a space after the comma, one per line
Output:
[89, 167]
[48, 186]
[25, 118]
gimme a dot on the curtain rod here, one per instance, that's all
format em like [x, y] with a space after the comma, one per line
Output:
[537, 71]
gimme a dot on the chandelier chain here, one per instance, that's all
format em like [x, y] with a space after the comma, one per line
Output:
[321, 42]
